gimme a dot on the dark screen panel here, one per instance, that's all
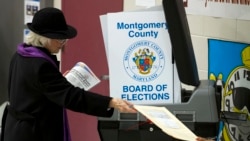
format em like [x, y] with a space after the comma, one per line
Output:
[181, 41]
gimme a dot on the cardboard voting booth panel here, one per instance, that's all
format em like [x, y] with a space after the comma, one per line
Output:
[139, 57]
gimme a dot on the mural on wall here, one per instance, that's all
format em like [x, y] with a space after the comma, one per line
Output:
[229, 65]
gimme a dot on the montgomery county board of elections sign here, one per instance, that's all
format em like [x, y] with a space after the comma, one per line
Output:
[139, 56]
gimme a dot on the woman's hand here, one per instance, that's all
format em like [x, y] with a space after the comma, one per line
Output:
[122, 106]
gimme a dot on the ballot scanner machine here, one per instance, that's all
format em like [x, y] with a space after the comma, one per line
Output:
[198, 109]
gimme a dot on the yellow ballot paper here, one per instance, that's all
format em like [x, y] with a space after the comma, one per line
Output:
[166, 121]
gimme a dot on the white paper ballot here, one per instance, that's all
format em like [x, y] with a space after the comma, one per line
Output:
[82, 76]
[165, 120]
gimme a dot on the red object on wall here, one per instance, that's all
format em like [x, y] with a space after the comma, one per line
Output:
[87, 47]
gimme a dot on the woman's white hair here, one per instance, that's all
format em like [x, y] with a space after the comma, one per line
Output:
[36, 40]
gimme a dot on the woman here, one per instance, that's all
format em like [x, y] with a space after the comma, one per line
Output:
[39, 93]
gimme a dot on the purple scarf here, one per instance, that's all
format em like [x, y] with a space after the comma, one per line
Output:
[30, 51]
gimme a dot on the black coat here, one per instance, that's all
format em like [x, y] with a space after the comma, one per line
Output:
[39, 93]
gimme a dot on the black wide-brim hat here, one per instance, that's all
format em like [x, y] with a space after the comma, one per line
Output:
[50, 22]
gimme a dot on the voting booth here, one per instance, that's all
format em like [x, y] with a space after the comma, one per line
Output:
[197, 108]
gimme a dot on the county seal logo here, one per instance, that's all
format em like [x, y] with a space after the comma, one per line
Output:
[144, 61]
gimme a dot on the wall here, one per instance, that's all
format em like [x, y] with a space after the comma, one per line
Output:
[88, 47]
[204, 27]
[58, 4]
